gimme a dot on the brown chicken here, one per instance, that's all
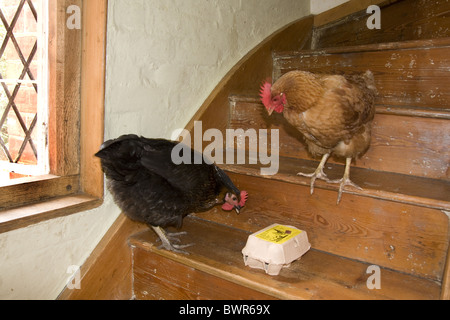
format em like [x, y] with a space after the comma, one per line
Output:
[333, 112]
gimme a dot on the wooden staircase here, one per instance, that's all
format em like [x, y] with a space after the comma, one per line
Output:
[399, 221]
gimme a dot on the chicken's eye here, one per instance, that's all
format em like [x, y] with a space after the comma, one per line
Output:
[234, 198]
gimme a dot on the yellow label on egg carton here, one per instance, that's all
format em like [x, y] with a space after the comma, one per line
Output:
[278, 234]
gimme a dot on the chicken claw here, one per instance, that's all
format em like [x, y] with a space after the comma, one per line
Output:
[167, 240]
[345, 181]
[318, 174]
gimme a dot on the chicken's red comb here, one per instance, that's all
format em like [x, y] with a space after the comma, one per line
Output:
[244, 196]
[266, 94]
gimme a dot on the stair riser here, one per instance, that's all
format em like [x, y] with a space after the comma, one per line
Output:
[398, 236]
[405, 20]
[159, 278]
[410, 77]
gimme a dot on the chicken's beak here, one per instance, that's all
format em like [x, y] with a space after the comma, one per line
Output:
[270, 111]
[238, 209]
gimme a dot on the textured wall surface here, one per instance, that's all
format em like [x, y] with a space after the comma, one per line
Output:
[319, 6]
[165, 57]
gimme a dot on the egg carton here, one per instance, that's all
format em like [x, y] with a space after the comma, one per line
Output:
[275, 247]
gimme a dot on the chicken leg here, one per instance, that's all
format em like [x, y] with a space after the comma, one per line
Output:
[166, 239]
[318, 174]
[345, 181]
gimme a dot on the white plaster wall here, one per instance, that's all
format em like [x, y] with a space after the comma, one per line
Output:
[319, 6]
[34, 261]
[164, 57]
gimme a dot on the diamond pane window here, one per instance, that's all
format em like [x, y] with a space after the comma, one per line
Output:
[23, 74]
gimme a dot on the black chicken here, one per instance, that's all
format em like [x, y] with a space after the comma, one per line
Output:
[150, 188]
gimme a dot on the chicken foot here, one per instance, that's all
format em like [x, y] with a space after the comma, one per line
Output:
[167, 240]
[318, 174]
[345, 181]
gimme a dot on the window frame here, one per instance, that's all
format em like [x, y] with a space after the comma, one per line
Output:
[76, 99]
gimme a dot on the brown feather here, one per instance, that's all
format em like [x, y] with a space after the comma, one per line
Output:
[333, 112]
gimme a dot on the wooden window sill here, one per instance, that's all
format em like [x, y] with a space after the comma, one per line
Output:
[76, 123]
[20, 217]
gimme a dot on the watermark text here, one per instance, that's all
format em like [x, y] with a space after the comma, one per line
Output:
[235, 140]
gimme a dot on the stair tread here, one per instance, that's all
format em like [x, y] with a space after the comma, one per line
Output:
[318, 275]
[396, 45]
[420, 191]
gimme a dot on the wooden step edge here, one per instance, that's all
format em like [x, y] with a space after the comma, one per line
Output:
[209, 266]
[387, 186]
[317, 275]
[215, 269]
[414, 112]
[387, 46]
[410, 111]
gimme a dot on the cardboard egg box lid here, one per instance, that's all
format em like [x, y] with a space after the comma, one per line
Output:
[275, 247]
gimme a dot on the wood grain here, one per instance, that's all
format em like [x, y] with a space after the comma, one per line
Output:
[64, 91]
[404, 76]
[445, 292]
[93, 66]
[349, 8]
[400, 21]
[394, 235]
[158, 278]
[400, 143]
[316, 275]
[38, 189]
[422, 192]
[21, 217]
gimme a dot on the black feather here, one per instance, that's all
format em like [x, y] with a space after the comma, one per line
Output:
[150, 188]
